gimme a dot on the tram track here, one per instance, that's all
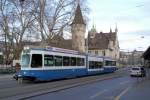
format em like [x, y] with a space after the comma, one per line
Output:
[28, 90]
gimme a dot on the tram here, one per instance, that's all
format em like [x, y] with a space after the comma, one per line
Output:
[44, 64]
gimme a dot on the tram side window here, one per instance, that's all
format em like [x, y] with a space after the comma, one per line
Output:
[98, 64]
[73, 61]
[110, 63]
[113, 63]
[66, 61]
[48, 60]
[1, 59]
[91, 64]
[107, 63]
[80, 61]
[95, 64]
[58, 60]
[36, 60]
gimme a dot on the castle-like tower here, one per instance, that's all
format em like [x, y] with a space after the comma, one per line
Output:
[78, 29]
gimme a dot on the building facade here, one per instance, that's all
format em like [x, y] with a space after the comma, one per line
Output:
[137, 58]
[133, 58]
[104, 44]
[126, 58]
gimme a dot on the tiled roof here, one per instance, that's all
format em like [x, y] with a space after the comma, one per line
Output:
[101, 40]
[59, 41]
[110, 36]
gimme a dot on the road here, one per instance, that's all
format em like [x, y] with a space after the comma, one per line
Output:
[121, 88]
[115, 86]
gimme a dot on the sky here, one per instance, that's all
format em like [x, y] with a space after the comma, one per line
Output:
[132, 18]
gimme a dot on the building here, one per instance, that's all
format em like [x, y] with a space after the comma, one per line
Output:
[146, 56]
[105, 44]
[133, 58]
[124, 58]
[137, 58]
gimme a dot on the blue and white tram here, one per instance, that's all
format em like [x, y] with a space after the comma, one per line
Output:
[51, 63]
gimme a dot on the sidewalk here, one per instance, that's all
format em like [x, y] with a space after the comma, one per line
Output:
[5, 75]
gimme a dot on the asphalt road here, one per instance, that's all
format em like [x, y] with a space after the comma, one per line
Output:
[10, 89]
[121, 88]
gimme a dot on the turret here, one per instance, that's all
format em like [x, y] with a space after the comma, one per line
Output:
[92, 32]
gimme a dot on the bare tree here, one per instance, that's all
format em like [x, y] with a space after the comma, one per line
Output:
[54, 16]
[15, 19]
[20, 19]
[23, 15]
[4, 26]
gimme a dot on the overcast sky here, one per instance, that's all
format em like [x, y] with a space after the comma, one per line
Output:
[131, 16]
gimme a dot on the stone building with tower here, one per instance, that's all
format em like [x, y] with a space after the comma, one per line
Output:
[103, 44]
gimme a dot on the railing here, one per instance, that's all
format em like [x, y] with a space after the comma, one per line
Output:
[7, 69]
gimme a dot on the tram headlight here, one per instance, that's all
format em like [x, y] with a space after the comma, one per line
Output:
[19, 75]
[24, 72]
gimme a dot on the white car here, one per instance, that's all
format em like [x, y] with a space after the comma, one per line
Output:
[138, 71]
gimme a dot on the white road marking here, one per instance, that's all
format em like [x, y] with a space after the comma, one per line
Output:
[98, 94]
[125, 82]
[122, 93]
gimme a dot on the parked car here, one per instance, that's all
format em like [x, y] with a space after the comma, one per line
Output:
[138, 71]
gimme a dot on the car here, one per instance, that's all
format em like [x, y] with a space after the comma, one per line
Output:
[138, 71]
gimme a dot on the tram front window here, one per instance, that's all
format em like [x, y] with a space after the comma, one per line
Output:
[36, 60]
[25, 60]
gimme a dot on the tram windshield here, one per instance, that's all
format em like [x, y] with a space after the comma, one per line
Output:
[25, 60]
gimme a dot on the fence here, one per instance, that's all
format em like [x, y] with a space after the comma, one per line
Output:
[7, 69]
